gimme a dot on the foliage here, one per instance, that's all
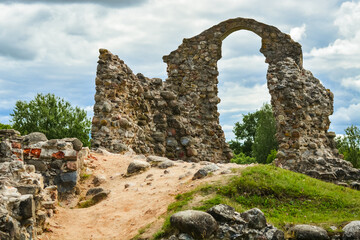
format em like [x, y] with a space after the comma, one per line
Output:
[255, 136]
[245, 134]
[241, 158]
[5, 126]
[53, 116]
[349, 145]
[264, 140]
[271, 157]
[284, 196]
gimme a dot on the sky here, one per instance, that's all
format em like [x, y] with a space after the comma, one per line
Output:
[51, 46]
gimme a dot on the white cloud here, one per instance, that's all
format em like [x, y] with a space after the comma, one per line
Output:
[297, 33]
[347, 115]
[236, 98]
[344, 52]
[348, 18]
[112, 3]
[246, 64]
[352, 82]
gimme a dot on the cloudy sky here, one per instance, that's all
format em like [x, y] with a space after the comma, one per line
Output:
[51, 46]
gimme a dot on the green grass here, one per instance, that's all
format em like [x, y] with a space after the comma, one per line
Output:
[86, 204]
[141, 231]
[84, 176]
[285, 198]
[288, 197]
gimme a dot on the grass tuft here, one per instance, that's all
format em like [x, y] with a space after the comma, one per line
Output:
[86, 203]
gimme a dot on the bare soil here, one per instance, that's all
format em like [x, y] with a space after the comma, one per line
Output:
[127, 209]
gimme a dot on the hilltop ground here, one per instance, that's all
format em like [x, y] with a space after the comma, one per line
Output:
[127, 209]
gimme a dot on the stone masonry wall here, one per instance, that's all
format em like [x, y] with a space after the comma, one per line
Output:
[34, 171]
[58, 160]
[24, 202]
[178, 118]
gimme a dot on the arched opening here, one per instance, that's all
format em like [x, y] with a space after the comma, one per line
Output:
[242, 79]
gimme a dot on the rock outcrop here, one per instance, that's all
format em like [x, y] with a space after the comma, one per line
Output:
[309, 232]
[352, 231]
[198, 224]
[223, 222]
[178, 118]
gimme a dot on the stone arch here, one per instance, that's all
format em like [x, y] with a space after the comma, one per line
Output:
[192, 68]
[178, 118]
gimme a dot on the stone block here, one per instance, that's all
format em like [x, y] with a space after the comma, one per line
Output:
[27, 206]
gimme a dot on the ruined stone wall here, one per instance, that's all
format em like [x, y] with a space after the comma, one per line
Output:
[178, 118]
[24, 202]
[34, 171]
[58, 160]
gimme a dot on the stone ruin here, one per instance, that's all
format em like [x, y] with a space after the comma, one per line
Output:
[178, 118]
[33, 171]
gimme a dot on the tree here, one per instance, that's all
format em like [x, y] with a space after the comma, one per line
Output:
[255, 136]
[265, 139]
[5, 126]
[53, 116]
[349, 145]
[245, 134]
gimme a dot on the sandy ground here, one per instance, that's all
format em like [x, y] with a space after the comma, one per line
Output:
[126, 210]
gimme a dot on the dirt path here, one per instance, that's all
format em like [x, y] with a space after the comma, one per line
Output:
[126, 210]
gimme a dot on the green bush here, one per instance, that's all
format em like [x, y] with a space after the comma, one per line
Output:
[241, 158]
[349, 145]
[5, 126]
[53, 116]
[271, 157]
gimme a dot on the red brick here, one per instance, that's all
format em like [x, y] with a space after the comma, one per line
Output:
[58, 155]
[35, 152]
[16, 145]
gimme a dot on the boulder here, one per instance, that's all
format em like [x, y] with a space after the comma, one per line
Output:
[93, 191]
[203, 172]
[166, 164]
[352, 231]
[222, 212]
[273, 233]
[154, 160]
[137, 166]
[200, 225]
[98, 180]
[309, 232]
[211, 168]
[77, 144]
[255, 218]
[35, 137]
[100, 196]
